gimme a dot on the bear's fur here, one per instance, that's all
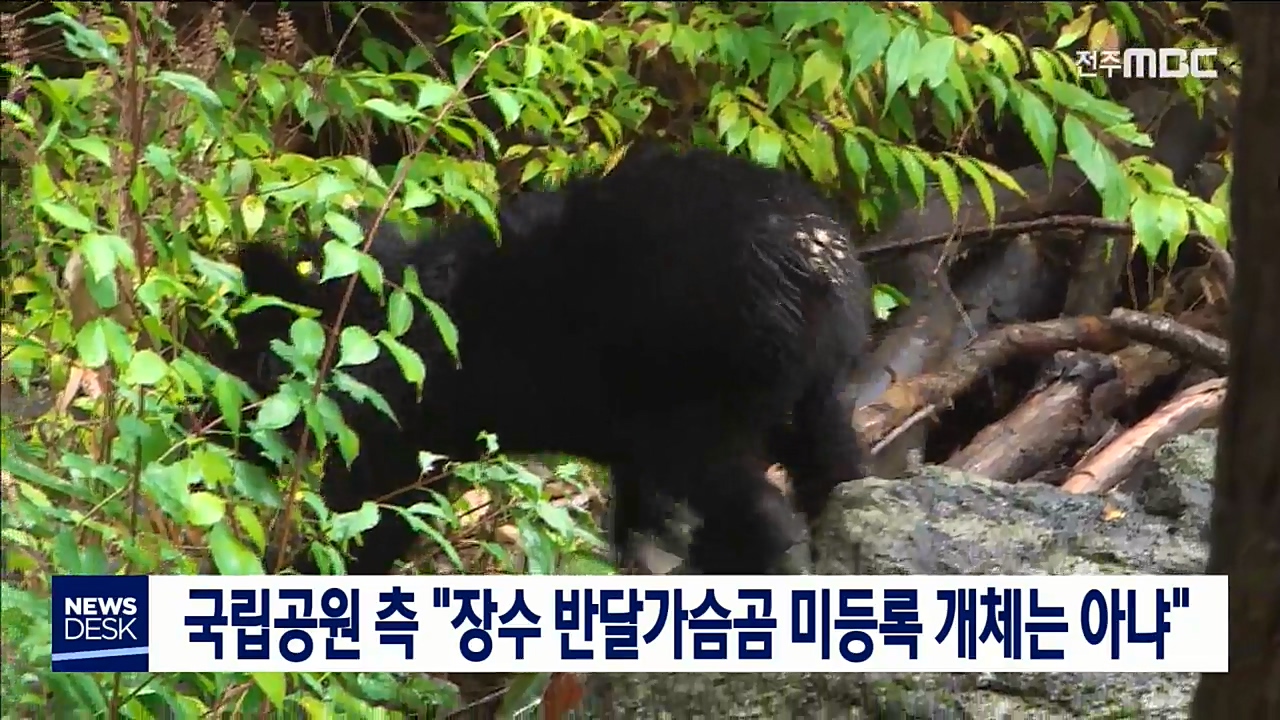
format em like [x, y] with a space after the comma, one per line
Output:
[686, 319]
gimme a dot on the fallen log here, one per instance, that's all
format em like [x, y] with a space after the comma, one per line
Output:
[1039, 431]
[1008, 286]
[1186, 412]
[1078, 408]
[916, 398]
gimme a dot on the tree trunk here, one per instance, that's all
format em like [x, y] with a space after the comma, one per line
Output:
[1246, 507]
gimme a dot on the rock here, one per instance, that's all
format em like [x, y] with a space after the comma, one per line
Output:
[1179, 485]
[940, 521]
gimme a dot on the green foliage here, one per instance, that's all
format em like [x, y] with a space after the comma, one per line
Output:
[162, 153]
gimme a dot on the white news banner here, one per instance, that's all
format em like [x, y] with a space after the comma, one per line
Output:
[814, 623]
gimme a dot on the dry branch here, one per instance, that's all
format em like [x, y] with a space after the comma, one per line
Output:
[911, 395]
[1169, 334]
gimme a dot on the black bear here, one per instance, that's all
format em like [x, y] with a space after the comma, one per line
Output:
[686, 319]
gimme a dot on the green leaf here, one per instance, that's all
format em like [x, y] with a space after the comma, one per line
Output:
[433, 93]
[539, 551]
[899, 59]
[251, 525]
[934, 62]
[999, 175]
[970, 167]
[887, 155]
[1117, 196]
[1130, 133]
[410, 363]
[105, 292]
[960, 85]
[254, 212]
[217, 215]
[205, 508]
[1074, 30]
[1144, 215]
[193, 86]
[230, 557]
[760, 43]
[103, 252]
[416, 196]
[91, 344]
[885, 300]
[556, 517]
[914, 170]
[362, 393]
[272, 685]
[1093, 159]
[729, 113]
[371, 273]
[359, 168]
[1076, 98]
[765, 145]
[214, 468]
[279, 410]
[527, 688]
[819, 155]
[399, 313]
[66, 215]
[356, 346]
[66, 553]
[737, 133]
[119, 344]
[1051, 64]
[1174, 222]
[589, 565]
[1003, 49]
[821, 67]
[534, 60]
[576, 114]
[230, 401]
[350, 524]
[856, 155]
[347, 230]
[1211, 219]
[307, 338]
[340, 260]
[948, 181]
[782, 79]
[146, 368]
[507, 104]
[865, 46]
[316, 708]
[43, 187]
[444, 324]
[1039, 124]
[93, 146]
[902, 110]
[348, 443]
[272, 90]
[393, 111]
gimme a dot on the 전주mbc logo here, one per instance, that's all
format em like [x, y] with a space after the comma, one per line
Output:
[100, 623]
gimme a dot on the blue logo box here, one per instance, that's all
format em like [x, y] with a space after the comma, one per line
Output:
[100, 623]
